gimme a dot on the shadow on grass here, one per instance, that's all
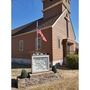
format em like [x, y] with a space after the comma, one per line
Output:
[64, 67]
[14, 83]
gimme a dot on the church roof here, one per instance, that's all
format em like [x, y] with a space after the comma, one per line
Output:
[32, 26]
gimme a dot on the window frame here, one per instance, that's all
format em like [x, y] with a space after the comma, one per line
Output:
[59, 42]
[21, 45]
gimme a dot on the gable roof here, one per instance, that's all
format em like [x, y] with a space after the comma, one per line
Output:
[31, 26]
[42, 23]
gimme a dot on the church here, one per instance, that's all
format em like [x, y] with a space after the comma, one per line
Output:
[57, 28]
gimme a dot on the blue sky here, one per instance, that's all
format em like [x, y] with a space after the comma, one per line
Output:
[25, 11]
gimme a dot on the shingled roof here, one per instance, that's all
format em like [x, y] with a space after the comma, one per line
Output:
[32, 26]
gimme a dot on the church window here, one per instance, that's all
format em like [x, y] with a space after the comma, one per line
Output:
[21, 45]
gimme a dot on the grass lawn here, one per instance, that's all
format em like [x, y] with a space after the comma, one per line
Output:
[69, 80]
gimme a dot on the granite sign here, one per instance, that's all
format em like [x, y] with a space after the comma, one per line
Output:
[40, 63]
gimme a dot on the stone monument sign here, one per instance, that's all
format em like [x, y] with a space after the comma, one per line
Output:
[40, 63]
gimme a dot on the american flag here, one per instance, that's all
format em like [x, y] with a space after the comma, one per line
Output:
[41, 34]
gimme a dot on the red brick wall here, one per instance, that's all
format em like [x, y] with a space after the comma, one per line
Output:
[59, 30]
[53, 11]
[29, 44]
[47, 3]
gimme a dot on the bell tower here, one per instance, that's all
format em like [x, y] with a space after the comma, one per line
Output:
[54, 7]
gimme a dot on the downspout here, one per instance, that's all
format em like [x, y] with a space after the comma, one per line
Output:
[67, 31]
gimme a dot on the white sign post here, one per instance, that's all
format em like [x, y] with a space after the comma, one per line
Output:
[40, 63]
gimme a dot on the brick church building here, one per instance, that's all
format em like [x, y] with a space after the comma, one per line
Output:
[56, 25]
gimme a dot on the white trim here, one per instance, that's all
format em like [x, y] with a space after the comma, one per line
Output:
[59, 18]
[34, 30]
[51, 6]
[58, 61]
[33, 63]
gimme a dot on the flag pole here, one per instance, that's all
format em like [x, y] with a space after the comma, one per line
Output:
[37, 35]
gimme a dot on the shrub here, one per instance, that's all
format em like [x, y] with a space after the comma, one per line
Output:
[72, 61]
[57, 65]
[54, 69]
[24, 74]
